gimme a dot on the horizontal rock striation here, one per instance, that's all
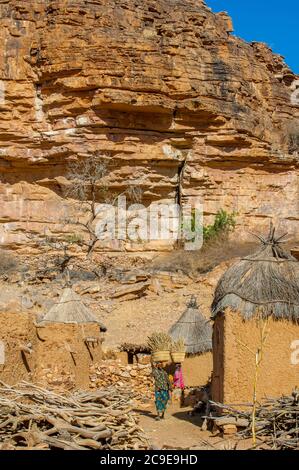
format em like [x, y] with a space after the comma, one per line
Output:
[184, 109]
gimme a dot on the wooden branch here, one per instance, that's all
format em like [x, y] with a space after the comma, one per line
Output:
[32, 417]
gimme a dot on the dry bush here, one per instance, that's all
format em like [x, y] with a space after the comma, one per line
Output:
[201, 261]
[291, 135]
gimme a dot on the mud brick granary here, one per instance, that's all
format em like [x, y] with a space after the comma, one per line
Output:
[256, 311]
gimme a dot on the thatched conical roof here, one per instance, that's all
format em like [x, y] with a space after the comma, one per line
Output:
[70, 309]
[266, 282]
[194, 329]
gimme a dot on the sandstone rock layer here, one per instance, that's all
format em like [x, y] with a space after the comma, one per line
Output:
[164, 88]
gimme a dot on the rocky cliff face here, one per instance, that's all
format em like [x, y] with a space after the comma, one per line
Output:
[163, 88]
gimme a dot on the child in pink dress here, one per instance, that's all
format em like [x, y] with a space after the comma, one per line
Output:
[178, 379]
[178, 384]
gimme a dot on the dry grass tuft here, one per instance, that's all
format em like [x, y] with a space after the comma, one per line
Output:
[193, 263]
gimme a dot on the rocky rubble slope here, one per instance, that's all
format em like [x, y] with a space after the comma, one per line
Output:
[184, 109]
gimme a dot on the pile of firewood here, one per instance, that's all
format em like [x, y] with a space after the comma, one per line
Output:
[276, 422]
[32, 417]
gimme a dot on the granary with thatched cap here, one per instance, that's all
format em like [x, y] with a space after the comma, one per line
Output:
[68, 341]
[196, 331]
[266, 282]
[70, 309]
[256, 311]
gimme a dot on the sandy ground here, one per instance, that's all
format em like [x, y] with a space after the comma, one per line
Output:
[180, 431]
[134, 320]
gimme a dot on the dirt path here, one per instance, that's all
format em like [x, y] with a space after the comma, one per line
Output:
[180, 431]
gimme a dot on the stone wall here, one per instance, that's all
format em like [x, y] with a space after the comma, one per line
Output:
[137, 377]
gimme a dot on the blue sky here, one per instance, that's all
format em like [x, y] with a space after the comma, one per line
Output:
[275, 22]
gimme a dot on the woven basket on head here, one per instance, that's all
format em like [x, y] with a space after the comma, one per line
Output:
[161, 356]
[178, 357]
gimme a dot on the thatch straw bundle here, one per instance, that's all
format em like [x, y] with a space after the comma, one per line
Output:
[159, 341]
[194, 329]
[266, 282]
[70, 309]
[178, 346]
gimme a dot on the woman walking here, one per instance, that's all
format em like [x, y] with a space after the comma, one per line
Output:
[162, 389]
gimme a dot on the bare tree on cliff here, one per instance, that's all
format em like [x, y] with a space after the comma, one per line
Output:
[88, 186]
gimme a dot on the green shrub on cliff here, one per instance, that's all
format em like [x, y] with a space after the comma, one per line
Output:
[224, 223]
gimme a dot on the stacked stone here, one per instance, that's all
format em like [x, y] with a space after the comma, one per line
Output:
[135, 376]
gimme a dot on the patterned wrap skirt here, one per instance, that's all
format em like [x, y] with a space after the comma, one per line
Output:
[161, 400]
